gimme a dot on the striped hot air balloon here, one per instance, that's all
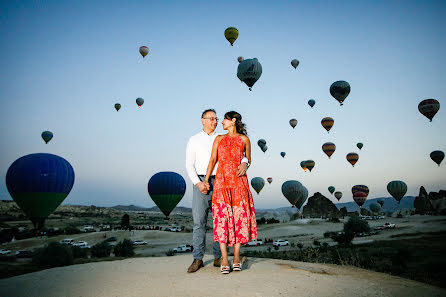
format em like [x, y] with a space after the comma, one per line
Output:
[327, 123]
[352, 158]
[360, 188]
[329, 148]
[360, 197]
[428, 108]
[269, 179]
[397, 189]
[309, 164]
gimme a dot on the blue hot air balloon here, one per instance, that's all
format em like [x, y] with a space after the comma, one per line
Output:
[311, 102]
[166, 189]
[39, 183]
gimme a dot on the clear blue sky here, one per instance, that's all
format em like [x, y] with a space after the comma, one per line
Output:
[64, 64]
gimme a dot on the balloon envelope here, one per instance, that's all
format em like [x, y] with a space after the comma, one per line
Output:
[143, 50]
[269, 179]
[374, 207]
[293, 123]
[249, 71]
[139, 101]
[264, 148]
[309, 164]
[329, 148]
[311, 102]
[331, 189]
[360, 188]
[397, 189]
[283, 154]
[294, 192]
[359, 198]
[240, 59]
[231, 35]
[437, 157]
[327, 123]
[117, 106]
[380, 202]
[257, 183]
[166, 189]
[295, 63]
[47, 136]
[261, 142]
[352, 158]
[359, 145]
[340, 90]
[428, 108]
[303, 165]
[338, 195]
[38, 183]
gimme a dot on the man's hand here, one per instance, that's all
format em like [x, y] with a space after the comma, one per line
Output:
[241, 170]
[202, 187]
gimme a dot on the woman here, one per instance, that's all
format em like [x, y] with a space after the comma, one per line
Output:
[232, 204]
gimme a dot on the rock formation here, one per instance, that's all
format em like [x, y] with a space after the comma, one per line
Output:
[320, 206]
[432, 203]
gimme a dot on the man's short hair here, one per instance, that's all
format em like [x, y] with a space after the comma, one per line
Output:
[208, 110]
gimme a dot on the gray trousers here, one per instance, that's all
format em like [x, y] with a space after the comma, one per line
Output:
[201, 205]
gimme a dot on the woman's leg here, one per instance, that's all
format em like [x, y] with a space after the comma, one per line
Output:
[224, 254]
[236, 253]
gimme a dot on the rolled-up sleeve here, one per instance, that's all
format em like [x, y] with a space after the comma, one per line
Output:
[190, 162]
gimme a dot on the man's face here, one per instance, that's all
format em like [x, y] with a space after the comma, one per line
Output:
[209, 121]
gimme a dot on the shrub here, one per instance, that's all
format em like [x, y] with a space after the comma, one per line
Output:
[325, 244]
[342, 237]
[53, 255]
[316, 242]
[356, 225]
[8, 258]
[292, 244]
[71, 230]
[327, 234]
[170, 253]
[300, 245]
[101, 250]
[78, 252]
[124, 249]
[276, 247]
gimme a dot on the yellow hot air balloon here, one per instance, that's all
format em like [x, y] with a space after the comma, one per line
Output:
[143, 50]
[231, 35]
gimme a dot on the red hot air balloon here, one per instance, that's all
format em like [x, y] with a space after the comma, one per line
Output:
[360, 198]
[269, 179]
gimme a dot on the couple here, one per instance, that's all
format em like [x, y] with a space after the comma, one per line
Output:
[224, 190]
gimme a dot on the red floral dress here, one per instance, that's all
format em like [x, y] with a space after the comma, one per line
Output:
[232, 204]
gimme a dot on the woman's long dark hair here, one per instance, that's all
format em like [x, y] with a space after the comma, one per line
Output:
[239, 125]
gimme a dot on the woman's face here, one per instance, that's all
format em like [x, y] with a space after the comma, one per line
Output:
[227, 123]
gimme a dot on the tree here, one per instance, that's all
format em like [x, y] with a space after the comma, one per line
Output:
[356, 225]
[124, 249]
[125, 222]
[343, 211]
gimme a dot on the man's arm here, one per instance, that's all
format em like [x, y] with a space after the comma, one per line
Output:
[190, 163]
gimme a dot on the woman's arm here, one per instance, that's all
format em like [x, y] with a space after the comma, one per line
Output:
[247, 148]
[212, 160]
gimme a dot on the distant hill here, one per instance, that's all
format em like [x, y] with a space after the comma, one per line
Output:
[390, 204]
[132, 207]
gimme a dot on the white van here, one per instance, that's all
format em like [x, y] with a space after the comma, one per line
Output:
[67, 241]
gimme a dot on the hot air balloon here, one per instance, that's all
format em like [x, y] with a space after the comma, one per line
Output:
[329, 148]
[269, 179]
[117, 106]
[261, 143]
[139, 101]
[47, 136]
[240, 59]
[295, 63]
[166, 189]
[380, 202]
[352, 158]
[303, 165]
[338, 195]
[359, 145]
[143, 50]
[294, 192]
[309, 164]
[397, 189]
[375, 207]
[429, 107]
[293, 123]
[257, 183]
[38, 183]
[340, 90]
[327, 123]
[360, 188]
[264, 148]
[311, 102]
[331, 189]
[437, 157]
[249, 71]
[360, 198]
[282, 154]
[231, 34]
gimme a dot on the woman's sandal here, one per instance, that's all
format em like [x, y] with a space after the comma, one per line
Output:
[224, 269]
[237, 266]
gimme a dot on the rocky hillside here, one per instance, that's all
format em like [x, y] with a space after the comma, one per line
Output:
[320, 206]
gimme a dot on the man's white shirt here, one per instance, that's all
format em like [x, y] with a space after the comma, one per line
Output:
[198, 153]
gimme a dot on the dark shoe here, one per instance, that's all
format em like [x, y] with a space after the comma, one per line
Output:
[197, 264]
[217, 262]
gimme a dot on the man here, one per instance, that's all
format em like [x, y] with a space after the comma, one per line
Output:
[198, 153]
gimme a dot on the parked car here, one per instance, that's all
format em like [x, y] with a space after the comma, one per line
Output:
[23, 254]
[88, 229]
[139, 242]
[379, 228]
[389, 225]
[80, 244]
[280, 242]
[67, 241]
[4, 252]
[255, 242]
[174, 229]
[182, 248]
